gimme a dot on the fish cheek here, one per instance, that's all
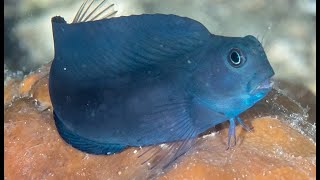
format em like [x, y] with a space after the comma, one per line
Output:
[227, 81]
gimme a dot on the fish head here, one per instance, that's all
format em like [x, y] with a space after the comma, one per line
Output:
[235, 75]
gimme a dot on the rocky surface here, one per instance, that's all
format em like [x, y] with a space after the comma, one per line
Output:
[275, 149]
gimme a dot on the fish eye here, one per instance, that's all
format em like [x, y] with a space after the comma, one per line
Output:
[235, 58]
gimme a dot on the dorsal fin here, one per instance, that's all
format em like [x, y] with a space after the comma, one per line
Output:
[128, 44]
[88, 13]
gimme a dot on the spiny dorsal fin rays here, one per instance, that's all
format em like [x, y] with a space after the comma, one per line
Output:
[81, 14]
[85, 11]
[102, 12]
[95, 9]
[110, 14]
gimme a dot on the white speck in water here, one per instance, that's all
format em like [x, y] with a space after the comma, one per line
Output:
[163, 146]
[64, 68]
[279, 151]
[209, 135]
[189, 62]
[175, 165]
[86, 156]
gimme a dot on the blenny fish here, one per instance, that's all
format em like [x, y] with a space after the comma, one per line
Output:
[149, 79]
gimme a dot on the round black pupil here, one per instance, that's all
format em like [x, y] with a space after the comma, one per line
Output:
[235, 57]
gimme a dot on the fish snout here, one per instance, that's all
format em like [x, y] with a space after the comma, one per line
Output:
[260, 82]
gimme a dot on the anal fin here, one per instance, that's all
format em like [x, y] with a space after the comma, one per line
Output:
[84, 144]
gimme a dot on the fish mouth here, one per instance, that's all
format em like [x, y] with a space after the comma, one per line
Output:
[264, 86]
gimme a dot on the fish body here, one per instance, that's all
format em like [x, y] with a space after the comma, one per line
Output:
[149, 79]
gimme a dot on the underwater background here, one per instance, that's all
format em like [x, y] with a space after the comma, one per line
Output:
[287, 29]
[282, 144]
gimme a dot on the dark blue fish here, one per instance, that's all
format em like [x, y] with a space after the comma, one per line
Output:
[149, 79]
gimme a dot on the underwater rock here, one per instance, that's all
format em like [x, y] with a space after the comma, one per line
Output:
[274, 149]
[10, 91]
[29, 86]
